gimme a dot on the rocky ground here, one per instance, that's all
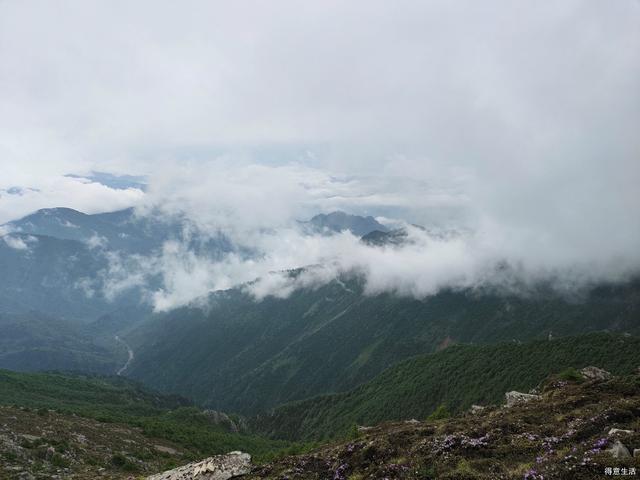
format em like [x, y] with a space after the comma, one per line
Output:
[575, 426]
[567, 432]
[42, 444]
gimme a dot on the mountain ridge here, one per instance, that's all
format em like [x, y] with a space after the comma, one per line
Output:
[247, 356]
[338, 221]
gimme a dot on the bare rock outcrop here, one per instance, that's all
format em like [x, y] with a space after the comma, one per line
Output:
[595, 373]
[219, 467]
[619, 450]
[516, 398]
[238, 425]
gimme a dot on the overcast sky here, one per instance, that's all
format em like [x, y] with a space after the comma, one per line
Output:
[519, 118]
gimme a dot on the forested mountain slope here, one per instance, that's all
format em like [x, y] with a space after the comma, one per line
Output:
[456, 377]
[238, 354]
[34, 341]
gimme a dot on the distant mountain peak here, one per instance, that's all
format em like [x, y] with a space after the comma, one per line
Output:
[56, 211]
[117, 182]
[338, 221]
[379, 238]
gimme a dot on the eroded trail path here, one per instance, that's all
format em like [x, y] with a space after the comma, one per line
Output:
[129, 351]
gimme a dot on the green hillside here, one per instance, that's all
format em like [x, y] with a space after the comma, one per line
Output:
[457, 377]
[35, 341]
[242, 355]
[117, 400]
[560, 436]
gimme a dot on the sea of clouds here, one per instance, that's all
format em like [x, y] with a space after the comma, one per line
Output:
[513, 122]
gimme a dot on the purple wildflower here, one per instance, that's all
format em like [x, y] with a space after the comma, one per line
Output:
[340, 472]
[600, 443]
[532, 474]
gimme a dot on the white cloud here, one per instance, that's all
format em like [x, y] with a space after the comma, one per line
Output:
[96, 241]
[421, 267]
[121, 275]
[517, 120]
[85, 83]
[18, 243]
[61, 191]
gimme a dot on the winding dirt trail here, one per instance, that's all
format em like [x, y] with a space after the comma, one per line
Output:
[129, 351]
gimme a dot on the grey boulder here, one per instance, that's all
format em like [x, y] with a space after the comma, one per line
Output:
[595, 373]
[618, 450]
[219, 467]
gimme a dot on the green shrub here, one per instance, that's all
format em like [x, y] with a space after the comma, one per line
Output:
[353, 433]
[120, 461]
[58, 460]
[571, 375]
[440, 413]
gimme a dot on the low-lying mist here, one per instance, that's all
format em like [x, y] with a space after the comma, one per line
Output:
[257, 208]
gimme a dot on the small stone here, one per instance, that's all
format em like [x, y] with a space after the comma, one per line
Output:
[614, 431]
[475, 409]
[618, 450]
[636, 452]
[515, 398]
[595, 373]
